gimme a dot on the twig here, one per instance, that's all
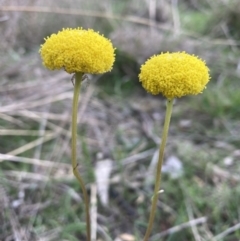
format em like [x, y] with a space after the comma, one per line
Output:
[41, 102]
[12, 132]
[33, 144]
[223, 173]
[38, 162]
[94, 212]
[137, 157]
[15, 225]
[176, 18]
[30, 84]
[133, 19]
[21, 175]
[227, 231]
[190, 216]
[41, 132]
[179, 228]
[11, 119]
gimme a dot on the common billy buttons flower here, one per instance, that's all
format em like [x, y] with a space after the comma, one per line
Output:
[174, 75]
[78, 50]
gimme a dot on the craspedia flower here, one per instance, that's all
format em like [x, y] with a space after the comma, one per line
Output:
[78, 50]
[174, 75]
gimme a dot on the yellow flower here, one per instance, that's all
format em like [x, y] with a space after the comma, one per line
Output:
[174, 75]
[78, 50]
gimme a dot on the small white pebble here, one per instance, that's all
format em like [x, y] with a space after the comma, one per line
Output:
[228, 161]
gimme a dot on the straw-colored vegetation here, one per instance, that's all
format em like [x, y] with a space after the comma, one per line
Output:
[119, 125]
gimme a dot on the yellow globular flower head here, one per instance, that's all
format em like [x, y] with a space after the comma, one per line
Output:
[174, 75]
[78, 50]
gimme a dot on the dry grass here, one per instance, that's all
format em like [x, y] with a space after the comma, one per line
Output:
[119, 127]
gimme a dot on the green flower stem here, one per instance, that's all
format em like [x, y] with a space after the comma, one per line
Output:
[159, 168]
[77, 86]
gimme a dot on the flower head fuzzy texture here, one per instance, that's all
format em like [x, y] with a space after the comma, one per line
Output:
[174, 75]
[78, 50]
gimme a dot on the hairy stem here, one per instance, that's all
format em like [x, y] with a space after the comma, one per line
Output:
[77, 86]
[159, 168]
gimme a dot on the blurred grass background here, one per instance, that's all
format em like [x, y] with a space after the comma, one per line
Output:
[119, 125]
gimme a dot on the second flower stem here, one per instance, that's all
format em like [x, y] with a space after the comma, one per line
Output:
[77, 86]
[159, 168]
